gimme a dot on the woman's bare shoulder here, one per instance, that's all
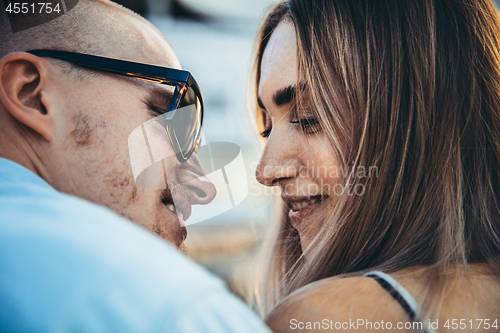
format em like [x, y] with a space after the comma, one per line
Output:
[333, 303]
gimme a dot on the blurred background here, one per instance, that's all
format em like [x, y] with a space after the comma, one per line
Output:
[214, 40]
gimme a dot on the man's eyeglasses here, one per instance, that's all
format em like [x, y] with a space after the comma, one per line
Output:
[184, 118]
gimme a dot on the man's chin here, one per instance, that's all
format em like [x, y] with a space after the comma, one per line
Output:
[183, 248]
[176, 238]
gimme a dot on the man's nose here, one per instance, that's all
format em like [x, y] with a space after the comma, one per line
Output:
[192, 177]
[278, 160]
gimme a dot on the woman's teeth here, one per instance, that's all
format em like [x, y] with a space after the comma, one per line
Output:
[298, 205]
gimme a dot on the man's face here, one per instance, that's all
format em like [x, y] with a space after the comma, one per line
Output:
[90, 155]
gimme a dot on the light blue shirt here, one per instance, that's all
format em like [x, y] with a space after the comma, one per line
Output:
[67, 265]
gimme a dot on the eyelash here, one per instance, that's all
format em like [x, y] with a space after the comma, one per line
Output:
[308, 125]
[266, 133]
[156, 111]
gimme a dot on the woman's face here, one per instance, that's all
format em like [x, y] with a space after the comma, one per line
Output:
[297, 157]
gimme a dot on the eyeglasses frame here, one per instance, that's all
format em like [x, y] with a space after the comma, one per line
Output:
[181, 79]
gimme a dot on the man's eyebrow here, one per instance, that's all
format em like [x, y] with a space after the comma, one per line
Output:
[286, 95]
[160, 97]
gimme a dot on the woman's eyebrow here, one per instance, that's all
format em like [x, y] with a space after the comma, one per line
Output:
[286, 95]
[283, 96]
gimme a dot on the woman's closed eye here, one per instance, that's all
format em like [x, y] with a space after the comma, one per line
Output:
[266, 132]
[308, 125]
[267, 125]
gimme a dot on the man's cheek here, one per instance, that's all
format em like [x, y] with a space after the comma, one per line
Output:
[151, 154]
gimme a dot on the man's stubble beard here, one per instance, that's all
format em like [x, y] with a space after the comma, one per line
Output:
[131, 196]
[126, 190]
[183, 248]
[121, 190]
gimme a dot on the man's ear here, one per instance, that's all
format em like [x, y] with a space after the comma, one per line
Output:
[23, 93]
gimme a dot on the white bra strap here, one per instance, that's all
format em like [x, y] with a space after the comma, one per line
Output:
[403, 293]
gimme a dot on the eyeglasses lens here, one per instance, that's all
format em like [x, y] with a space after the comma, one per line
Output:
[187, 122]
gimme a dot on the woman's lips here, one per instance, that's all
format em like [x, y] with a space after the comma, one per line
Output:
[299, 209]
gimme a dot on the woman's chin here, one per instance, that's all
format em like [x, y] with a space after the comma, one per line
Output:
[308, 232]
[308, 221]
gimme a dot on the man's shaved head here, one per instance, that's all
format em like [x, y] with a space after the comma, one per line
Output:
[97, 27]
[73, 130]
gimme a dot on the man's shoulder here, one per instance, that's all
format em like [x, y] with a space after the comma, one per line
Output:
[64, 256]
[58, 222]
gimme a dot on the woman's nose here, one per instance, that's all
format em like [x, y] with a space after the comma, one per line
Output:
[278, 160]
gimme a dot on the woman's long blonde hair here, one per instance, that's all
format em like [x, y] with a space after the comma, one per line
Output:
[413, 88]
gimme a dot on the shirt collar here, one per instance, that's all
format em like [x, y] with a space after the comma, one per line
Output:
[12, 172]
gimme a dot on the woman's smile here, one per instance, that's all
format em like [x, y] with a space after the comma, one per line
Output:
[300, 207]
